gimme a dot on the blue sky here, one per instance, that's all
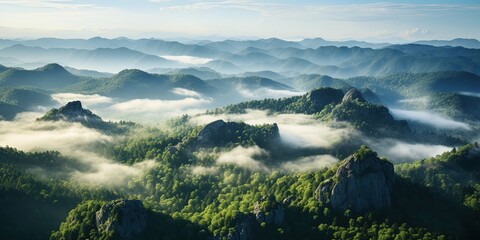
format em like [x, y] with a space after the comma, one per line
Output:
[336, 20]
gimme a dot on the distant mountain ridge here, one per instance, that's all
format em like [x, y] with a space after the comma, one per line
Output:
[308, 56]
[457, 42]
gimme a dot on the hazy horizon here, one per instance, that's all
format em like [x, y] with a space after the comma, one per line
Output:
[395, 22]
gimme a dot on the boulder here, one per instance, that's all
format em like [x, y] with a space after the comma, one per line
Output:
[124, 219]
[362, 183]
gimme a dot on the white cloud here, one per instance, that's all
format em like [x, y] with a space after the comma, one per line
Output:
[186, 92]
[243, 157]
[399, 151]
[299, 130]
[55, 4]
[314, 136]
[72, 140]
[416, 33]
[188, 59]
[154, 105]
[309, 163]
[201, 170]
[152, 110]
[255, 117]
[428, 118]
[87, 100]
[473, 94]
[262, 93]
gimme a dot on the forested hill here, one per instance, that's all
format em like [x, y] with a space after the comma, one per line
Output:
[331, 104]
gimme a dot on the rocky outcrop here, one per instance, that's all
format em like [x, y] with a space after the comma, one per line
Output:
[71, 112]
[321, 97]
[268, 210]
[74, 112]
[288, 200]
[373, 120]
[243, 230]
[219, 133]
[362, 183]
[211, 132]
[125, 219]
[353, 94]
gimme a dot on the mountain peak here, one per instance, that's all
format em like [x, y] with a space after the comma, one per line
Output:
[53, 68]
[131, 72]
[362, 183]
[71, 112]
[73, 106]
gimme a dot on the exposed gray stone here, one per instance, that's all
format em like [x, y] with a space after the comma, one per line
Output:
[211, 131]
[126, 219]
[268, 210]
[362, 183]
[353, 94]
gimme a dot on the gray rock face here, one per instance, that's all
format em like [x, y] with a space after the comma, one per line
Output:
[74, 111]
[244, 226]
[288, 200]
[126, 219]
[211, 131]
[362, 183]
[324, 96]
[269, 211]
[353, 94]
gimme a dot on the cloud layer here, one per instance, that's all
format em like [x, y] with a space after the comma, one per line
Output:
[243, 157]
[87, 100]
[430, 119]
[298, 130]
[399, 151]
[72, 140]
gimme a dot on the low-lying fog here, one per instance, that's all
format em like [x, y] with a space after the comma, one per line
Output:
[299, 131]
[72, 140]
[304, 131]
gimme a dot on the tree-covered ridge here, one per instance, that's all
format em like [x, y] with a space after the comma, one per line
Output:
[456, 105]
[51, 76]
[9, 111]
[330, 104]
[33, 205]
[411, 85]
[310, 103]
[374, 120]
[24, 97]
[224, 203]
[133, 83]
[454, 173]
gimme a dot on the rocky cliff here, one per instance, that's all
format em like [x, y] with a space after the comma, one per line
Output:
[71, 112]
[374, 120]
[124, 219]
[362, 183]
[268, 210]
